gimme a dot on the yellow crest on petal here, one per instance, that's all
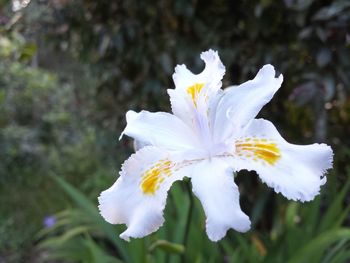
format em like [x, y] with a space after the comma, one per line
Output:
[194, 90]
[258, 149]
[154, 176]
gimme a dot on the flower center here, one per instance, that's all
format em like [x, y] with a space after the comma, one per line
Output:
[194, 90]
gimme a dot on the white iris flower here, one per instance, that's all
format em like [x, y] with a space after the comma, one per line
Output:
[211, 134]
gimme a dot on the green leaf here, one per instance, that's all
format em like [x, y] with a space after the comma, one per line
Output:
[97, 254]
[319, 244]
[57, 241]
[291, 213]
[92, 213]
[335, 210]
[167, 246]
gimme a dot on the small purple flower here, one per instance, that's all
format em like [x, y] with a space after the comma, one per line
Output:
[49, 221]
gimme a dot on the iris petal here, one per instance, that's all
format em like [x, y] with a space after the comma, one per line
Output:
[213, 184]
[296, 171]
[138, 197]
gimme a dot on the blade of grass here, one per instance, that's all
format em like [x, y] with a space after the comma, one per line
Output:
[335, 208]
[319, 244]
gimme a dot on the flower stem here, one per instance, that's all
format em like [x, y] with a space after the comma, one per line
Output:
[189, 217]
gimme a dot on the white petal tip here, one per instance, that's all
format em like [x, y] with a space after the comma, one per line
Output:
[130, 116]
[104, 207]
[268, 73]
[328, 156]
[209, 55]
[244, 227]
[124, 236]
[215, 238]
[242, 223]
[299, 196]
[180, 68]
[217, 231]
[180, 73]
[269, 70]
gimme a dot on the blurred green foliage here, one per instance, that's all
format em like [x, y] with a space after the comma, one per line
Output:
[69, 70]
[299, 235]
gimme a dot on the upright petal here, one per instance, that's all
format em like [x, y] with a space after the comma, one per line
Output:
[213, 184]
[242, 103]
[296, 171]
[211, 75]
[138, 197]
[194, 92]
[160, 129]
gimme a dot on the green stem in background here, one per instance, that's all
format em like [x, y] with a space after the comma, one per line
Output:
[189, 219]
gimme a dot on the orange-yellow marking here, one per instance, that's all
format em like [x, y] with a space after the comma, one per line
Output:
[154, 176]
[261, 149]
[194, 90]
